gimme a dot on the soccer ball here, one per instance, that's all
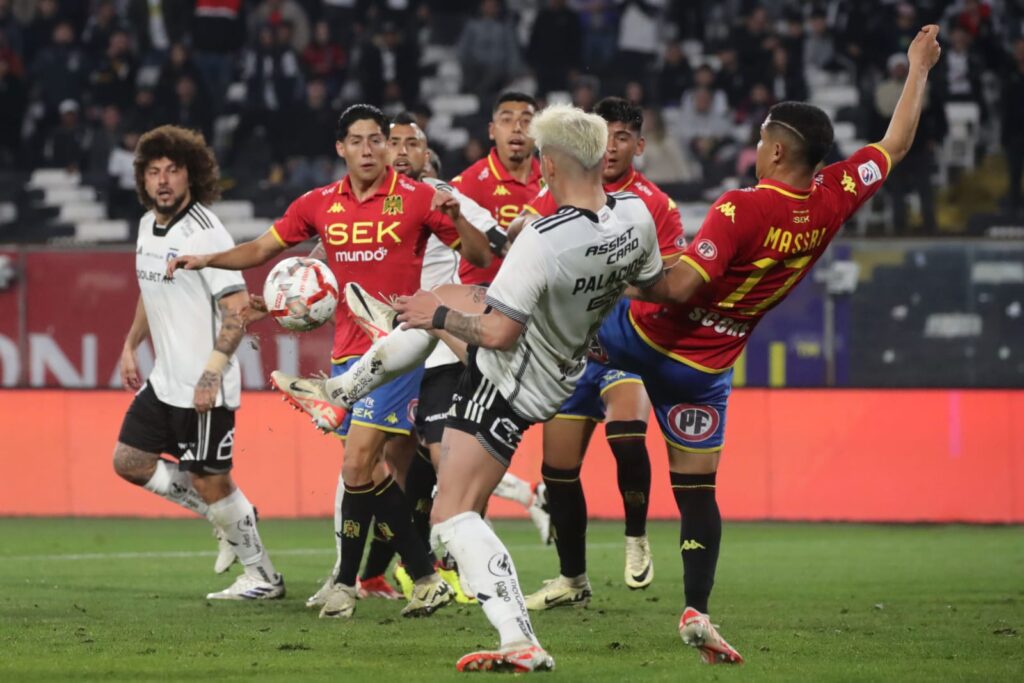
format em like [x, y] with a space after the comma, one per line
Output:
[301, 294]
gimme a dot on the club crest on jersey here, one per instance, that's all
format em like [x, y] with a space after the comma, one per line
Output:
[171, 254]
[691, 423]
[336, 207]
[707, 249]
[869, 172]
[392, 205]
[501, 191]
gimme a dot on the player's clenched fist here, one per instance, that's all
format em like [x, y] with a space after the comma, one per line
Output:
[925, 50]
[417, 311]
[446, 203]
[186, 262]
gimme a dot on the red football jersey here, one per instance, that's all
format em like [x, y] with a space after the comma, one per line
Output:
[490, 185]
[666, 216]
[378, 242]
[754, 245]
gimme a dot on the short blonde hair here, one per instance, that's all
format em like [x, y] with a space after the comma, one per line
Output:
[581, 136]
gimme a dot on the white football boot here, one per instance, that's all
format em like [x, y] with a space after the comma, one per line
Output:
[518, 659]
[339, 602]
[374, 316]
[639, 565]
[248, 587]
[697, 631]
[428, 595]
[561, 592]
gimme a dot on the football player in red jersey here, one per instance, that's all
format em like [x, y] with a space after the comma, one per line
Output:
[754, 246]
[507, 178]
[603, 393]
[374, 224]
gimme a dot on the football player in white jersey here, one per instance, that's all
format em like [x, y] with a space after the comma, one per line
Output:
[524, 344]
[196, 321]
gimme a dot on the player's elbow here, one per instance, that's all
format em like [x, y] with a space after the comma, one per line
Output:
[480, 257]
[897, 149]
[500, 339]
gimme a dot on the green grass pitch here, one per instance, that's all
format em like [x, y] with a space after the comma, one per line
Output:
[87, 599]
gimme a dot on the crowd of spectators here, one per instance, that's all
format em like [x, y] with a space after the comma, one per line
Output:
[81, 79]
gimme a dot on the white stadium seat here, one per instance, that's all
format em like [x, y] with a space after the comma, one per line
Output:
[233, 210]
[75, 212]
[102, 231]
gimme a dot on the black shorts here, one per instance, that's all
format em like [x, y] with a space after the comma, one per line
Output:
[436, 390]
[479, 409]
[202, 442]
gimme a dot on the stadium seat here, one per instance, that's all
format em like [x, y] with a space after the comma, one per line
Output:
[102, 231]
[82, 211]
[229, 210]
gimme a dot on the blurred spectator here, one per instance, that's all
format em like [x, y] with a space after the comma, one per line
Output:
[899, 34]
[754, 107]
[104, 139]
[66, 146]
[179, 63]
[675, 75]
[400, 63]
[367, 65]
[754, 41]
[705, 133]
[61, 68]
[793, 39]
[819, 50]
[1013, 131]
[473, 151]
[324, 59]
[634, 93]
[960, 70]
[39, 32]
[10, 29]
[663, 161]
[310, 150]
[190, 109]
[112, 81]
[218, 33]
[122, 202]
[746, 160]
[730, 79]
[275, 12]
[585, 92]
[145, 113]
[913, 174]
[157, 25]
[489, 52]
[975, 17]
[786, 79]
[340, 15]
[704, 77]
[638, 35]
[556, 46]
[103, 23]
[13, 100]
[600, 36]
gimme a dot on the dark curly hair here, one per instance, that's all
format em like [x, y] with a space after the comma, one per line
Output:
[186, 148]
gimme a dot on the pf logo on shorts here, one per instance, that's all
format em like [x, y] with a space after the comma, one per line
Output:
[693, 423]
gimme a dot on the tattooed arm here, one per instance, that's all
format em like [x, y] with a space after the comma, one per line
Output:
[233, 311]
[490, 330]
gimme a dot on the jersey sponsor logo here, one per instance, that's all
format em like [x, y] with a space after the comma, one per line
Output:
[692, 423]
[789, 242]
[363, 232]
[869, 173]
[681, 241]
[153, 276]
[728, 210]
[849, 184]
[402, 182]
[707, 250]
[392, 205]
[690, 544]
[501, 191]
[721, 324]
[643, 189]
[336, 207]
[500, 565]
[483, 174]
[801, 216]
[364, 256]
[506, 213]
[619, 247]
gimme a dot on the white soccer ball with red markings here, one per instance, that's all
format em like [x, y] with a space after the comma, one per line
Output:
[301, 294]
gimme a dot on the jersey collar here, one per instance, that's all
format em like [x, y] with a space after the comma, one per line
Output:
[162, 230]
[385, 188]
[630, 177]
[500, 173]
[785, 190]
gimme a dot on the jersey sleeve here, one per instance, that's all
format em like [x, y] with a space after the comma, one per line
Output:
[479, 217]
[442, 226]
[858, 178]
[669, 224]
[522, 279]
[297, 224]
[717, 242]
[219, 282]
[541, 205]
[653, 268]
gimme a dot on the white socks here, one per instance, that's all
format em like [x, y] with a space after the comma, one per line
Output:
[389, 357]
[512, 487]
[236, 520]
[339, 493]
[176, 486]
[486, 565]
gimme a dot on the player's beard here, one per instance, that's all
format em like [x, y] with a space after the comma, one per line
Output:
[171, 207]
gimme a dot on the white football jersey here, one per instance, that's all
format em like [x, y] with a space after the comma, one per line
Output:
[184, 318]
[441, 262]
[561, 277]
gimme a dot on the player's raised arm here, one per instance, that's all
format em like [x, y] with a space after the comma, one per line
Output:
[245, 255]
[923, 54]
[137, 333]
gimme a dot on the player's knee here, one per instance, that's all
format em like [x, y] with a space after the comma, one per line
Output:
[132, 465]
[359, 466]
[212, 487]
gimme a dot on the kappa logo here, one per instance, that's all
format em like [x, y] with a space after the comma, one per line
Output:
[336, 207]
[691, 423]
[707, 250]
[391, 419]
[501, 191]
[849, 184]
[690, 544]
[869, 173]
[728, 210]
[500, 565]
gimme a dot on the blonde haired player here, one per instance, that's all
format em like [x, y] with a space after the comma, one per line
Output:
[525, 347]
